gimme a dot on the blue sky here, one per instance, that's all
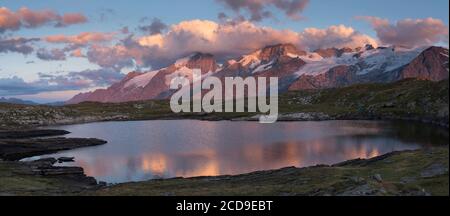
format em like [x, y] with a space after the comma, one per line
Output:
[110, 16]
[319, 13]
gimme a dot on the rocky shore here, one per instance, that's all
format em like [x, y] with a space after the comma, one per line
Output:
[23, 134]
[21, 147]
[41, 177]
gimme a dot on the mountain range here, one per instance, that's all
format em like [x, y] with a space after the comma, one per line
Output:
[16, 101]
[296, 70]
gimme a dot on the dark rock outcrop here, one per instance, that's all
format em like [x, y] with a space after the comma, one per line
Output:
[19, 149]
[431, 64]
[336, 77]
[333, 52]
[23, 134]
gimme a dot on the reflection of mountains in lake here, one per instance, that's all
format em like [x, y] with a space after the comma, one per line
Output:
[254, 157]
[153, 149]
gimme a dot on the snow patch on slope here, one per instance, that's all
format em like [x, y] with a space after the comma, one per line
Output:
[316, 65]
[141, 80]
[181, 72]
[182, 62]
[252, 59]
[292, 55]
[387, 59]
[263, 67]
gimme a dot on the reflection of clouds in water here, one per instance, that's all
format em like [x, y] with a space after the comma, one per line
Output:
[247, 158]
[257, 157]
[206, 162]
[146, 150]
[203, 162]
[156, 164]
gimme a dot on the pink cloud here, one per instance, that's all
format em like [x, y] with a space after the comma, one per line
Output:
[81, 39]
[9, 20]
[338, 36]
[117, 56]
[27, 18]
[409, 32]
[73, 18]
[32, 19]
[77, 53]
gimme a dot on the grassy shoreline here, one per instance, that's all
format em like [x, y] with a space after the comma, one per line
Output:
[410, 173]
[415, 100]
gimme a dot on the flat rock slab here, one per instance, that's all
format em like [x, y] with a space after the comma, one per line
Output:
[18, 149]
[434, 170]
[46, 179]
[24, 134]
[66, 159]
[53, 171]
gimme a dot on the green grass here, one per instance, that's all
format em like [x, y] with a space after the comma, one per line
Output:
[407, 99]
[14, 182]
[404, 98]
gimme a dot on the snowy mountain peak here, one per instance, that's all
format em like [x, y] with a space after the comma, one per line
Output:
[333, 52]
[262, 59]
[271, 52]
[132, 75]
[296, 70]
[203, 61]
[141, 80]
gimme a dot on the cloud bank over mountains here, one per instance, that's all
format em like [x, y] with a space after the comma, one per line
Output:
[226, 40]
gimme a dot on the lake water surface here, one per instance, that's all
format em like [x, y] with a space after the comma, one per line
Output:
[144, 150]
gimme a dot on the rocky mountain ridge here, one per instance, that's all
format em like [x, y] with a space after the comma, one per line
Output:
[296, 70]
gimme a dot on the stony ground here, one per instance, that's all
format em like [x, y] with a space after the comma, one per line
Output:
[16, 145]
[41, 177]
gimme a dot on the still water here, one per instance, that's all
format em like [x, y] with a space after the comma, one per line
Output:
[144, 150]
